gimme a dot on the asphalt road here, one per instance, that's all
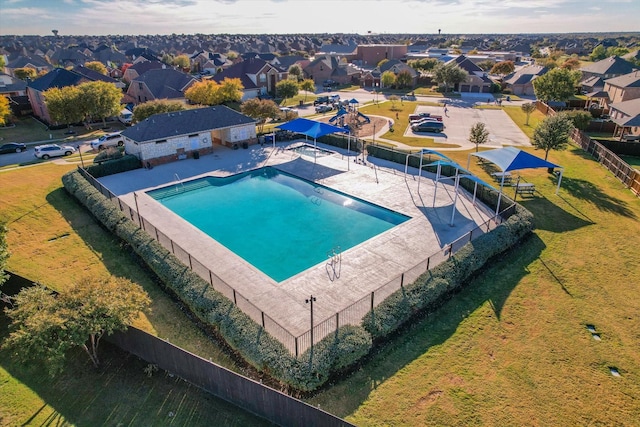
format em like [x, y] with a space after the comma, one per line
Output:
[28, 156]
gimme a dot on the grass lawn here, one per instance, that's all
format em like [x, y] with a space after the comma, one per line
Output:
[512, 348]
[53, 240]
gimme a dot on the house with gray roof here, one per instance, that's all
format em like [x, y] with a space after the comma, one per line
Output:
[477, 81]
[607, 68]
[520, 82]
[161, 83]
[168, 137]
[626, 116]
[256, 75]
[34, 62]
[623, 88]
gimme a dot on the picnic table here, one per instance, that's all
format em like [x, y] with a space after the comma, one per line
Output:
[525, 188]
[498, 176]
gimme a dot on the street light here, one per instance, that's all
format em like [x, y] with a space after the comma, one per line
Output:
[310, 300]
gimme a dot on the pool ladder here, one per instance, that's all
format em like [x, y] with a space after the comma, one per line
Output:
[181, 188]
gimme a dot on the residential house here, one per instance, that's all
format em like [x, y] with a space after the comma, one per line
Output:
[626, 116]
[331, 68]
[520, 82]
[477, 81]
[257, 76]
[623, 88]
[160, 83]
[594, 75]
[58, 77]
[11, 86]
[168, 137]
[347, 51]
[139, 68]
[372, 78]
[34, 62]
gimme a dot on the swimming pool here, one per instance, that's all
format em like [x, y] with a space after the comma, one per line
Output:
[279, 223]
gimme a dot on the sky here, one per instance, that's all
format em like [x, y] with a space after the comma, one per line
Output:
[136, 17]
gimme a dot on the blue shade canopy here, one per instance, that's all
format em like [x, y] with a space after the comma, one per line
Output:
[310, 127]
[353, 101]
[511, 159]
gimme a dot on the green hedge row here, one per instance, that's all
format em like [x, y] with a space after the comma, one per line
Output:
[258, 348]
[434, 284]
[333, 353]
[111, 167]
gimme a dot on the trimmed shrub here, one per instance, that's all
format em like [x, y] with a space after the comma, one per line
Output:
[111, 167]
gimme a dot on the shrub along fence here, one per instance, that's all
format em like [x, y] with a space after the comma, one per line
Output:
[344, 344]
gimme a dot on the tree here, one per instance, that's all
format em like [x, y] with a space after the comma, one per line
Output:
[571, 64]
[558, 84]
[423, 65]
[528, 108]
[487, 64]
[449, 74]
[295, 72]
[182, 61]
[382, 62]
[479, 134]
[44, 327]
[205, 92]
[5, 110]
[387, 79]
[286, 89]
[503, 68]
[25, 73]
[230, 90]
[616, 51]
[100, 100]
[260, 109]
[552, 133]
[96, 66]
[404, 79]
[307, 85]
[579, 118]
[157, 106]
[598, 53]
[65, 105]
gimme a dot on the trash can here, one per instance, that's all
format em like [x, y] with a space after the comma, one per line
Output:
[245, 145]
[196, 154]
[301, 103]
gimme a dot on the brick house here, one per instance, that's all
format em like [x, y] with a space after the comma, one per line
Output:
[370, 55]
[257, 76]
[168, 137]
[160, 83]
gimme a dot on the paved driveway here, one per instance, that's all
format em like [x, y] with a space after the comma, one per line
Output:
[459, 119]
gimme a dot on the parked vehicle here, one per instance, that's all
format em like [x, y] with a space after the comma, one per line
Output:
[418, 116]
[12, 147]
[321, 100]
[330, 84]
[125, 116]
[323, 108]
[114, 139]
[428, 126]
[424, 119]
[53, 150]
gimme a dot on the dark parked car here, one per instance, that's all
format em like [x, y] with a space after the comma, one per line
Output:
[12, 147]
[428, 126]
[321, 100]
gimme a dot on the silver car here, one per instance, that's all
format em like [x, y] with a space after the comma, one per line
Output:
[53, 150]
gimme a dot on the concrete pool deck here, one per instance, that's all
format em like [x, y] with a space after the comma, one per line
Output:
[363, 269]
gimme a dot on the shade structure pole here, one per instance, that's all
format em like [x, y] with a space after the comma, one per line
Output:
[274, 138]
[500, 194]
[420, 172]
[559, 181]
[455, 198]
[475, 190]
[435, 187]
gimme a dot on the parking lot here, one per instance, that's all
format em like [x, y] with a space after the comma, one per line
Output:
[459, 119]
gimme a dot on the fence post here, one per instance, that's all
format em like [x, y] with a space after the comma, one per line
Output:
[172, 250]
[372, 293]
[262, 312]
[337, 321]
[210, 277]
[190, 266]
[450, 250]
[428, 261]
[402, 280]
[234, 297]
[157, 238]
[471, 235]
[296, 346]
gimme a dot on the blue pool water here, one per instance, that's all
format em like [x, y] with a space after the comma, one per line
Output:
[279, 223]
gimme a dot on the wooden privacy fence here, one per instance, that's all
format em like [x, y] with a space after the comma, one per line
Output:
[243, 392]
[610, 160]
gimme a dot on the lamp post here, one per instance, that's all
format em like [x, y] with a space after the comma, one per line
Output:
[310, 300]
[80, 152]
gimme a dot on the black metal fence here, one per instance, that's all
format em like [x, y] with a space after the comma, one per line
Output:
[351, 315]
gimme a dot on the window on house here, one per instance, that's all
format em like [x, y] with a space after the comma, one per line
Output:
[160, 141]
[140, 86]
[263, 78]
[193, 135]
